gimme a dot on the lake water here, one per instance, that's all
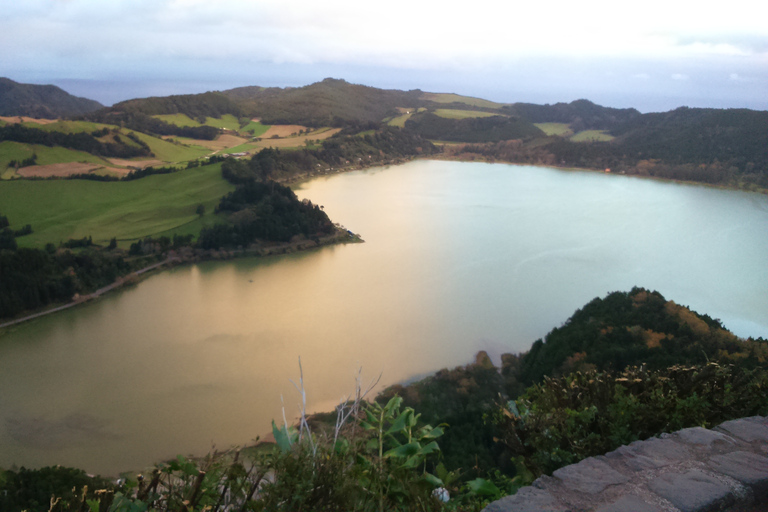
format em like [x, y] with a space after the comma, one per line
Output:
[459, 257]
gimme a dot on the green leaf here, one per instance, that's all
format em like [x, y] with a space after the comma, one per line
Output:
[393, 404]
[483, 487]
[434, 433]
[281, 437]
[400, 422]
[433, 480]
[429, 448]
[403, 451]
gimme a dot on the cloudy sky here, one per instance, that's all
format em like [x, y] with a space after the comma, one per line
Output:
[653, 55]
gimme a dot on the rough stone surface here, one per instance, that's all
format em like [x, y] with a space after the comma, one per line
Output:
[693, 491]
[590, 476]
[747, 429]
[703, 437]
[629, 503]
[693, 470]
[650, 454]
[748, 468]
[527, 499]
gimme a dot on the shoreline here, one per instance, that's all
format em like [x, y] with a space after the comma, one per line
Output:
[188, 255]
[757, 190]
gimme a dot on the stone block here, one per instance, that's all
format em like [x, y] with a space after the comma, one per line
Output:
[747, 429]
[527, 499]
[590, 476]
[694, 491]
[703, 437]
[748, 468]
[629, 503]
[652, 453]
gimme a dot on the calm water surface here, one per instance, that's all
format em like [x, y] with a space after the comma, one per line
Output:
[459, 257]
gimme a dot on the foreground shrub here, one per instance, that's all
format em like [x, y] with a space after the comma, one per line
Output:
[564, 420]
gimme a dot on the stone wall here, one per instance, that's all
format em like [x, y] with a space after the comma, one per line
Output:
[692, 470]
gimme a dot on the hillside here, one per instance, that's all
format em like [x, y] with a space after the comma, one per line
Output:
[41, 101]
[579, 114]
[207, 104]
[331, 102]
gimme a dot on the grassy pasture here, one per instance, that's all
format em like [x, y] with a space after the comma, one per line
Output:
[182, 120]
[399, 121]
[256, 128]
[454, 98]
[559, 129]
[592, 136]
[10, 150]
[461, 114]
[227, 121]
[63, 209]
[170, 152]
[69, 126]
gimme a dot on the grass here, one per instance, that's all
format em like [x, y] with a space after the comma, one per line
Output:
[399, 121]
[455, 98]
[227, 121]
[591, 136]
[63, 209]
[242, 148]
[559, 129]
[182, 120]
[461, 114]
[256, 128]
[69, 126]
[170, 152]
[45, 155]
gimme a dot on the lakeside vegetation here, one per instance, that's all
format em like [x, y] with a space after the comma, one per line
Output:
[628, 366]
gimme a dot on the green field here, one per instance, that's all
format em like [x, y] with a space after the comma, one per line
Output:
[256, 128]
[177, 119]
[160, 204]
[170, 152]
[559, 129]
[45, 155]
[227, 121]
[461, 114]
[69, 126]
[455, 98]
[591, 136]
[399, 121]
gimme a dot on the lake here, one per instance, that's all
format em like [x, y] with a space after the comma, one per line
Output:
[459, 257]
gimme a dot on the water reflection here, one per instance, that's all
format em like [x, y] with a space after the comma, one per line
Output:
[458, 257]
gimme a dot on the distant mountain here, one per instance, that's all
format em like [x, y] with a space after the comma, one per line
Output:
[41, 101]
[330, 102]
[580, 114]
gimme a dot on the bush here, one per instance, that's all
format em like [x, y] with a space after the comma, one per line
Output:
[564, 420]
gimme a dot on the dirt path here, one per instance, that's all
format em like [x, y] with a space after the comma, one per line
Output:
[85, 298]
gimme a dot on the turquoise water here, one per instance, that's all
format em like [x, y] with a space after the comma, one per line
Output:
[459, 257]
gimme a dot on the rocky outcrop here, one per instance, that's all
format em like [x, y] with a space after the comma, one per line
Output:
[692, 470]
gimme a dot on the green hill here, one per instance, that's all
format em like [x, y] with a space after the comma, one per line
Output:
[195, 106]
[331, 102]
[580, 114]
[471, 129]
[41, 101]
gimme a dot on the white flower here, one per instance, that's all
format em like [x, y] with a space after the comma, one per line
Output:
[441, 493]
